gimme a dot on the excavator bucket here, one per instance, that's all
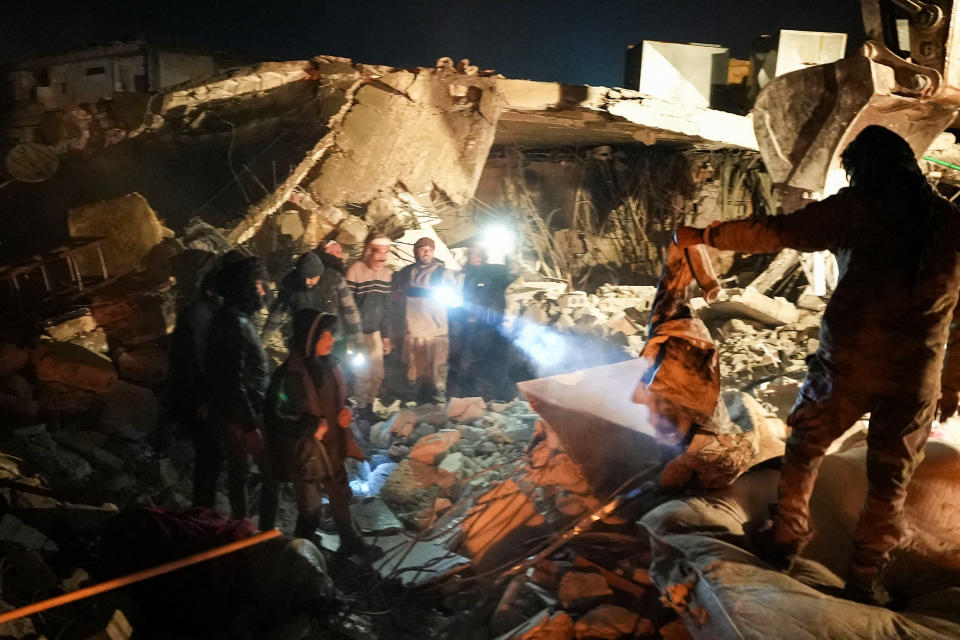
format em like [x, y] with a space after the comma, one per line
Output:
[805, 119]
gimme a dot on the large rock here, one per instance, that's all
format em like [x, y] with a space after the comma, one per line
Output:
[466, 409]
[610, 622]
[147, 365]
[69, 326]
[431, 448]
[12, 359]
[129, 410]
[750, 303]
[14, 533]
[131, 229]
[73, 366]
[577, 587]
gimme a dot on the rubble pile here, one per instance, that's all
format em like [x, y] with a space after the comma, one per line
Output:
[613, 318]
[425, 458]
[767, 359]
[596, 587]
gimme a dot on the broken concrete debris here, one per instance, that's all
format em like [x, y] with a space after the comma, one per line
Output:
[131, 229]
[89, 403]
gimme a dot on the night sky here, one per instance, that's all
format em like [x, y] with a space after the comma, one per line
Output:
[573, 42]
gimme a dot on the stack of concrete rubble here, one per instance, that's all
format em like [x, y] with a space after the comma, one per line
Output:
[595, 591]
[425, 458]
[80, 404]
[766, 357]
[614, 312]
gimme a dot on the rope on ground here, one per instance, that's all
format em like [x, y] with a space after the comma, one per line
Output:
[139, 576]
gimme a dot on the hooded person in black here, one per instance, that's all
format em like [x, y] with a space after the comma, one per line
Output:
[478, 350]
[311, 285]
[188, 345]
[883, 340]
[236, 381]
[308, 430]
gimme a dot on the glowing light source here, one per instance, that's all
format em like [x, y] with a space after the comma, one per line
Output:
[498, 237]
[356, 360]
[448, 295]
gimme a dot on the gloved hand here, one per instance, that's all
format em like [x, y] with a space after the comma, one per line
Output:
[947, 405]
[685, 237]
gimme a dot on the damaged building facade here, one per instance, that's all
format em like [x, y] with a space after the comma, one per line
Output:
[543, 516]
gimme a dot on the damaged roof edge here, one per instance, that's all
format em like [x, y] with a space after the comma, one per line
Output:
[698, 123]
[256, 215]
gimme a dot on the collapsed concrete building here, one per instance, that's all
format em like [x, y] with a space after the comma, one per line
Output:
[485, 509]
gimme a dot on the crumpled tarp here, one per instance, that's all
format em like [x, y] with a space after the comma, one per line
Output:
[703, 566]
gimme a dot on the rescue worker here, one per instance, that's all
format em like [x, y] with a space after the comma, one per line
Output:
[882, 341]
[311, 285]
[236, 374]
[478, 350]
[369, 280]
[308, 429]
[425, 289]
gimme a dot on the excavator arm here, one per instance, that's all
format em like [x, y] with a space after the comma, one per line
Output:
[905, 77]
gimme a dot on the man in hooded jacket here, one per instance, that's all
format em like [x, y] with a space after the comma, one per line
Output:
[188, 403]
[236, 381]
[312, 285]
[882, 341]
[308, 429]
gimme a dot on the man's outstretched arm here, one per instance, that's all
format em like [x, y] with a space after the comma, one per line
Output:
[818, 226]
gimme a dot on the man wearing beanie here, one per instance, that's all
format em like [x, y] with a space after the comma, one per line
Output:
[311, 285]
[421, 286]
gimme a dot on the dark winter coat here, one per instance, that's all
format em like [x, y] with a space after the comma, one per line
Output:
[305, 392]
[484, 287]
[187, 356]
[235, 363]
[330, 295]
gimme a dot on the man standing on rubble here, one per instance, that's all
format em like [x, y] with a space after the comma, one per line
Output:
[312, 285]
[478, 350]
[426, 289]
[882, 341]
[369, 280]
[188, 402]
[236, 370]
[308, 430]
